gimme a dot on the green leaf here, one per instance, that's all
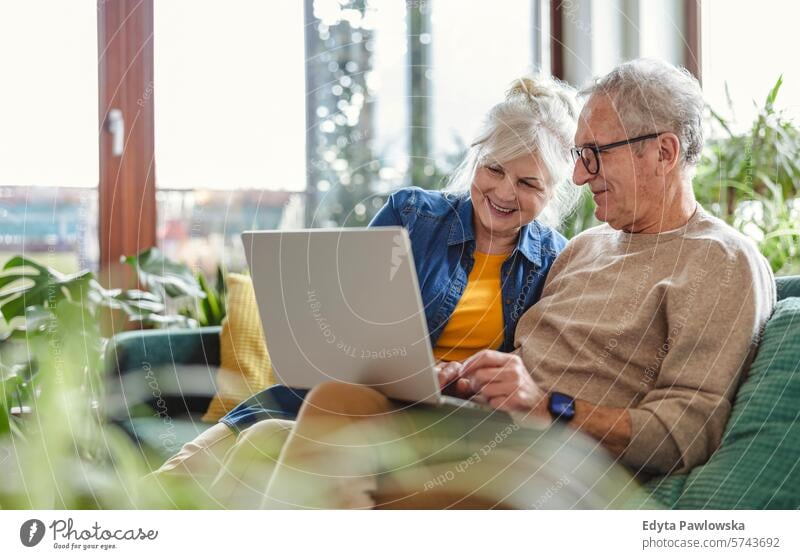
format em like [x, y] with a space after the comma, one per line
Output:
[773, 94]
[46, 288]
[37, 320]
[153, 268]
[38, 294]
[220, 281]
[166, 321]
[21, 261]
[11, 278]
[210, 305]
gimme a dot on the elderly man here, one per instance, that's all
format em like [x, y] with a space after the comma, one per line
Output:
[649, 320]
[645, 327]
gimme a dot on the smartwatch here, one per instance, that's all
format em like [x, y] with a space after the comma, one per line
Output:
[561, 407]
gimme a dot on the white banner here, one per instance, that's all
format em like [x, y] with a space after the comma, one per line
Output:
[276, 534]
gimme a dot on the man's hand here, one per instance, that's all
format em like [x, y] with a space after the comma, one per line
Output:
[501, 378]
[450, 380]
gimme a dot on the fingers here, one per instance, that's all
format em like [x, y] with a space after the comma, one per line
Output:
[482, 377]
[463, 389]
[449, 372]
[490, 358]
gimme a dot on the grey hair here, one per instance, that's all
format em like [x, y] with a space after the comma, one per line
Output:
[538, 117]
[650, 96]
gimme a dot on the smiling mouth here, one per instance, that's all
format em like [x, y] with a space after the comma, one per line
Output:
[500, 209]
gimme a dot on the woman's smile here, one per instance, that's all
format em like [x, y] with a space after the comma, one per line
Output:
[499, 210]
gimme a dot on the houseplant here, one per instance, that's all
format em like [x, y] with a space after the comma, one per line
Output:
[751, 179]
[56, 449]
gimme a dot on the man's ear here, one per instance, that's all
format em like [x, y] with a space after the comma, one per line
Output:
[669, 153]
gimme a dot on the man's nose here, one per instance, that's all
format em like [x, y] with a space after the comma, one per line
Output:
[580, 175]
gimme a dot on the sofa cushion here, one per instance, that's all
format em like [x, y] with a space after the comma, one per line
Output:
[245, 367]
[787, 286]
[758, 463]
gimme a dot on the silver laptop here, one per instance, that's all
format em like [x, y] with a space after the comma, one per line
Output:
[344, 305]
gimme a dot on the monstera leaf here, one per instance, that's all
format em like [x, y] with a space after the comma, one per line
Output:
[30, 293]
[37, 319]
[41, 286]
[155, 269]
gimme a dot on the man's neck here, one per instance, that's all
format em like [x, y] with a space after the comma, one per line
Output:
[679, 207]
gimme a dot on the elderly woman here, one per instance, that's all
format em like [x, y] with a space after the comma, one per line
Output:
[482, 248]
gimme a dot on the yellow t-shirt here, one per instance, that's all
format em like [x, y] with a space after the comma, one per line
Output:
[477, 320]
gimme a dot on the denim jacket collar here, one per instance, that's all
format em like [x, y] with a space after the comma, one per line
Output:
[529, 245]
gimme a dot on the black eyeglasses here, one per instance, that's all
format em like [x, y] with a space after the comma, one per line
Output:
[590, 155]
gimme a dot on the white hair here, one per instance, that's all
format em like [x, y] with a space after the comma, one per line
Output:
[651, 96]
[538, 117]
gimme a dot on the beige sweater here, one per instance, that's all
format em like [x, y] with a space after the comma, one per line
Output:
[661, 324]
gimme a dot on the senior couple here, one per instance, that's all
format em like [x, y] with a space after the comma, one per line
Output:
[629, 341]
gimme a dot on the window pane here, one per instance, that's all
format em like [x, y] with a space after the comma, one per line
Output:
[49, 139]
[388, 91]
[477, 52]
[749, 51]
[229, 94]
[229, 124]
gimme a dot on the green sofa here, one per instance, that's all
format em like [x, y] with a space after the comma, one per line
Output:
[161, 382]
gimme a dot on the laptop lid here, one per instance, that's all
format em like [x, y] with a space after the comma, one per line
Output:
[343, 304]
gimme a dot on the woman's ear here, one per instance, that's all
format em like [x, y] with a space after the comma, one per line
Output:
[669, 153]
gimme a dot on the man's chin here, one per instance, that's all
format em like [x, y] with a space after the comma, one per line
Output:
[601, 213]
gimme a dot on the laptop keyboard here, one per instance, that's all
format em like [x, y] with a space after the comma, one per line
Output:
[462, 403]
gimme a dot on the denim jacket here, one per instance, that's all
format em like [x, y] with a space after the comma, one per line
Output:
[443, 243]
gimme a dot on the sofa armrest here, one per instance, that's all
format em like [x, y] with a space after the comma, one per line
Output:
[131, 351]
[172, 371]
[787, 286]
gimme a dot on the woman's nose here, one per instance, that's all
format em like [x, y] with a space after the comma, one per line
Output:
[505, 191]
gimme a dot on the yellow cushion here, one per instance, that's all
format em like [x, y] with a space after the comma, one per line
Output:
[245, 366]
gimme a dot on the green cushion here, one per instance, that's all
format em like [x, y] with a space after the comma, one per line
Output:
[788, 286]
[129, 352]
[758, 463]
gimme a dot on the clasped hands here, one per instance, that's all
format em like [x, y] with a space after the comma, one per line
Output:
[495, 378]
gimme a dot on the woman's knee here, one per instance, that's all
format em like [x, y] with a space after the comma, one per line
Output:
[265, 437]
[203, 454]
[266, 429]
[344, 398]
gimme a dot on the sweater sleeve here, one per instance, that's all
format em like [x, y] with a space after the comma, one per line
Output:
[716, 311]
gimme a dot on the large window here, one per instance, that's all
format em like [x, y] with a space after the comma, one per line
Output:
[49, 137]
[296, 113]
[267, 114]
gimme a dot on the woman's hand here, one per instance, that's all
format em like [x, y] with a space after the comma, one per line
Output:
[501, 378]
[449, 373]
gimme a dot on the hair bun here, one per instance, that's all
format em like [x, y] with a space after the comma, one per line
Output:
[536, 89]
[528, 87]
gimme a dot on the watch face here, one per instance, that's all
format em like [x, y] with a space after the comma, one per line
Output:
[562, 406]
